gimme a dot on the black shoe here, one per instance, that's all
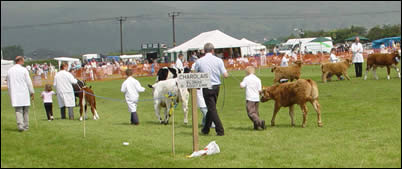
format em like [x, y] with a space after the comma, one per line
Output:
[255, 126]
[263, 126]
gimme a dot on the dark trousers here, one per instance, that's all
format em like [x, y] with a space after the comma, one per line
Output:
[358, 69]
[70, 113]
[49, 110]
[253, 114]
[134, 118]
[211, 97]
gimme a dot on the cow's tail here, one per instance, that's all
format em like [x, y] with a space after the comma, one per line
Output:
[150, 86]
[314, 89]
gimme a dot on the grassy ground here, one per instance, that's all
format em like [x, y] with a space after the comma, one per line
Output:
[362, 128]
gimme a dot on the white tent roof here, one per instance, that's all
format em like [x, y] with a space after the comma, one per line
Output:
[7, 62]
[130, 56]
[216, 37]
[67, 59]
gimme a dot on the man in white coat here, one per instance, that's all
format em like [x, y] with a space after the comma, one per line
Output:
[131, 88]
[357, 50]
[20, 88]
[63, 83]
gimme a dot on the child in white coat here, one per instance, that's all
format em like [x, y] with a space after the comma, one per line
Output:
[131, 88]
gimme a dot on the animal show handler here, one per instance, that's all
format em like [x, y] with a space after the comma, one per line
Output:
[63, 83]
[20, 88]
[215, 67]
[131, 88]
[253, 88]
[357, 49]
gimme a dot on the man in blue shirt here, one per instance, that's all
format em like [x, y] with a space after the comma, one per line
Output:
[215, 67]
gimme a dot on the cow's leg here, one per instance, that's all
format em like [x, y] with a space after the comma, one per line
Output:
[375, 72]
[397, 70]
[367, 70]
[276, 109]
[324, 77]
[304, 109]
[389, 72]
[167, 112]
[291, 114]
[317, 108]
[345, 74]
[157, 111]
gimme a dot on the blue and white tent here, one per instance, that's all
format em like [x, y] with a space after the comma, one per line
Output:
[387, 42]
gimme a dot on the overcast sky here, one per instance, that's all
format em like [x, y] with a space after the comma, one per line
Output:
[149, 21]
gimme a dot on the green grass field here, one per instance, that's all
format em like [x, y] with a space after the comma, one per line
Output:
[362, 128]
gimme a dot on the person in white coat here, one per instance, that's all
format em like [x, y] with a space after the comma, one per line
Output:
[179, 62]
[131, 88]
[357, 50]
[284, 61]
[63, 83]
[20, 88]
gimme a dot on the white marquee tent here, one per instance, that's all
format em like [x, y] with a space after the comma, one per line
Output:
[131, 56]
[217, 38]
[68, 60]
[5, 65]
[252, 49]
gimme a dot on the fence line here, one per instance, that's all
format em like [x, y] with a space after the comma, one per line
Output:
[113, 72]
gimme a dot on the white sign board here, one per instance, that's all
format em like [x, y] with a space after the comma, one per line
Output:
[194, 80]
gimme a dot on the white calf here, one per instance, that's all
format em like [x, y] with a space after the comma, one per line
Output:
[169, 87]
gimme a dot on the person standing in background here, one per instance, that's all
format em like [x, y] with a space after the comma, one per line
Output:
[357, 50]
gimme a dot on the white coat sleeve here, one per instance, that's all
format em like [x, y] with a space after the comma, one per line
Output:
[72, 79]
[138, 87]
[243, 84]
[28, 81]
[123, 87]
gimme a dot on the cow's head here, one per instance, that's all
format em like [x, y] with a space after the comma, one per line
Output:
[397, 56]
[349, 61]
[265, 94]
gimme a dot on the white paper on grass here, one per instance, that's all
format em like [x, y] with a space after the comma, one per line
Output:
[211, 148]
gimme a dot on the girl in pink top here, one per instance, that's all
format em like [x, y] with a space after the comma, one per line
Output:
[48, 101]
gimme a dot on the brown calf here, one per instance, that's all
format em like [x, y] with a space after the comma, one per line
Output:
[89, 99]
[383, 59]
[290, 93]
[290, 72]
[338, 69]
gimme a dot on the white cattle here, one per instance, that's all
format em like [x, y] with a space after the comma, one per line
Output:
[165, 88]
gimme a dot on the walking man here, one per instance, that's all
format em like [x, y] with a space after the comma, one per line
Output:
[63, 83]
[20, 88]
[215, 67]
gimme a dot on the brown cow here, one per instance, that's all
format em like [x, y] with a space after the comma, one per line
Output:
[383, 59]
[287, 94]
[89, 99]
[290, 72]
[338, 69]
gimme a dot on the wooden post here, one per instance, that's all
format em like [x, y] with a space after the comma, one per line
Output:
[195, 119]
